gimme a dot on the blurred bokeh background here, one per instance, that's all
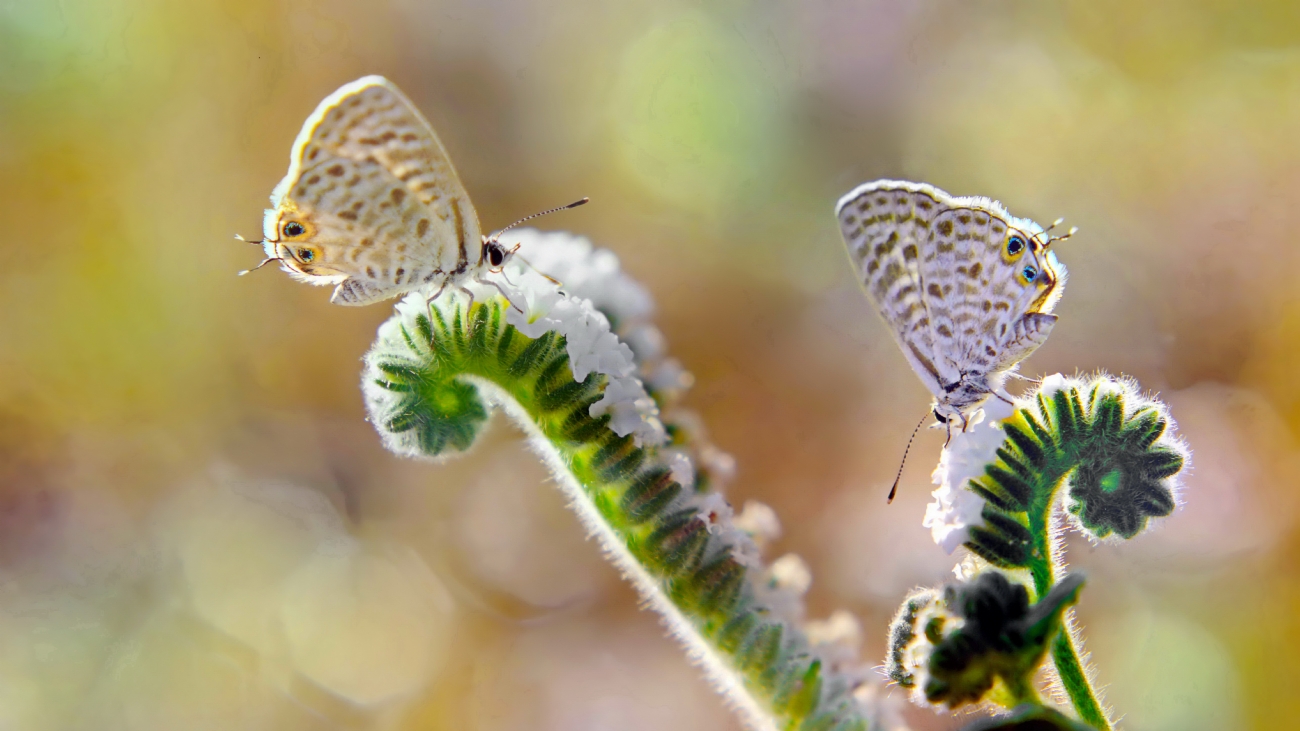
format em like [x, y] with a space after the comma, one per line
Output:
[198, 529]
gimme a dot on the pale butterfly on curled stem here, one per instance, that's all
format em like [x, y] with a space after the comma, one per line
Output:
[372, 205]
[966, 288]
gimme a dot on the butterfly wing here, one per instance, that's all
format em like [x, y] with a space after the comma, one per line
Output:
[1030, 330]
[379, 204]
[886, 226]
[987, 313]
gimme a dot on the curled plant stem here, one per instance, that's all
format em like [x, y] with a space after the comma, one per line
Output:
[1094, 454]
[429, 381]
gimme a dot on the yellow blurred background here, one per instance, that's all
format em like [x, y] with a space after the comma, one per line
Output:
[198, 530]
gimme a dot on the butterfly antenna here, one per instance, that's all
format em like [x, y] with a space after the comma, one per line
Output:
[246, 241]
[574, 204]
[1047, 233]
[893, 490]
[259, 266]
[1073, 230]
[1052, 239]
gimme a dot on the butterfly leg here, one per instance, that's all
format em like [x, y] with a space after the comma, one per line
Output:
[437, 294]
[428, 303]
[468, 293]
[1035, 381]
[502, 291]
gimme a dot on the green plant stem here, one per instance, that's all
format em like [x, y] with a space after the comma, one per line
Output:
[433, 377]
[1064, 654]
[1075, 680]
[1113, 447]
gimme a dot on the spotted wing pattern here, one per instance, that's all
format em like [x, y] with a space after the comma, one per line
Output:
[371, 202]
[966, 288]
[886, 228]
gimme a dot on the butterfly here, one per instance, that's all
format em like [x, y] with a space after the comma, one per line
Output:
[966, 288]
[372, 205]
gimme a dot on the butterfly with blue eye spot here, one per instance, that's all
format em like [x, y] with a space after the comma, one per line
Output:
[966, 288]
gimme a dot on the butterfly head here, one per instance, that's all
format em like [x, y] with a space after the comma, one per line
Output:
[290, 238]
[299, 243]
[1026, 250]
[292, 242]
[494, 256]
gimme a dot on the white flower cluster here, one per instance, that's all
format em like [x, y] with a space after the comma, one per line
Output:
[594, 275]
[584, 270]
[591, 345]
[1058, 382]
[760, 522]
[956, 508]
[593, 284]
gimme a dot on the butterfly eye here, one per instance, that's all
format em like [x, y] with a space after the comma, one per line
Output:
[305, 255]
[293, 228]
[1029, 273]
[1015, 245]
[495, 256]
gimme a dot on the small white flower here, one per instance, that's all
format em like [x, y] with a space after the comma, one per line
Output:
[790, 573]
[720, 465]
[679, 462]
[646, 342]
[836, 638]
[669, 375]
[589, 343]
[584, 270]
[631, 411]
[715, 511]
[719, 519]
[1057, 382]
[956, 508]
[784, 585]
[759, 521]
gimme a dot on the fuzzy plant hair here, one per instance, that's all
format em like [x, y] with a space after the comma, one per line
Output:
[583, 372]
[1092, 454]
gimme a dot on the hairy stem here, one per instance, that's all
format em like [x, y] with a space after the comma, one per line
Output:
[429, 379]
[1045, 564]
[1111, 449]
[1075, 680]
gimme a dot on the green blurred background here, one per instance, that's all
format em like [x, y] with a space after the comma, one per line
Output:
[198, 529]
